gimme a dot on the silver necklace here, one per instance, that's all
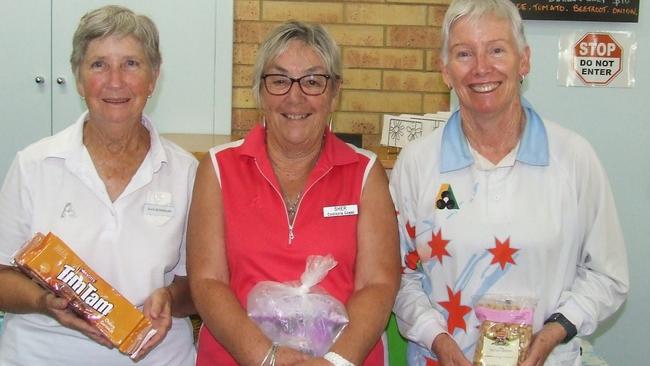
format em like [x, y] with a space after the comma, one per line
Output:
[292, 206]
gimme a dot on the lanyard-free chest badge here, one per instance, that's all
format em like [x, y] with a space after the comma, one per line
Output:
[344, 210]
[445, 198]
[158, 208]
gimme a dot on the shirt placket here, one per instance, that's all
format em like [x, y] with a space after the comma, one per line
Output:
[496, 194]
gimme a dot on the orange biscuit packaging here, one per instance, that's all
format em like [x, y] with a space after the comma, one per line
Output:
[50, 262]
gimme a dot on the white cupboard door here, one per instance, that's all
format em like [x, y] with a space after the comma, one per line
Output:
[184, 99]
[25, 98]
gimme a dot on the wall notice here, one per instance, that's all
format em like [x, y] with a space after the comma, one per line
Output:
[597, 59]
[580, 10]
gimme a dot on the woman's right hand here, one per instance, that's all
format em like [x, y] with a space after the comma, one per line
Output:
[448, 352]
[286, 356]
[57, 308]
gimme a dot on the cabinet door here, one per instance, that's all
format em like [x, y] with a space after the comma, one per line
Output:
[24, 102]
[184, 99]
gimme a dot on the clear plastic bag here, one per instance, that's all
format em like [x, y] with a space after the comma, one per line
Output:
[299, 314]
[506, 329]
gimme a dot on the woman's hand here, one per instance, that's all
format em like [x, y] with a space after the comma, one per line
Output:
[158, 309]
[448, 352]
[57, 308]
[285, 356]
[543, 344]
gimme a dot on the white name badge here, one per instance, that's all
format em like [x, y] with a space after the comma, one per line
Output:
[334, 211]
[158, 210]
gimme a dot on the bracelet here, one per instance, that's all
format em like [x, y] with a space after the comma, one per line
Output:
[273, 353]
[336, 359]
[270, 353]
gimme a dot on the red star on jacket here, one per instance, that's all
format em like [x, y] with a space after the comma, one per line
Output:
[410, 230]
[457, 312]
[502, 253]
[412, 259]
[431, 362]
[438, 245]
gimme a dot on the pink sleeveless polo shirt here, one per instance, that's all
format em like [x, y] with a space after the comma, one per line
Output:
[260, 243]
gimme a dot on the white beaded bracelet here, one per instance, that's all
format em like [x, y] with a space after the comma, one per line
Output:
[336, 359]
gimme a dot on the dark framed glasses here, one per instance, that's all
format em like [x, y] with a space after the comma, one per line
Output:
[311, 84]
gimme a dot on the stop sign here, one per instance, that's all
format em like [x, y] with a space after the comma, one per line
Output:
[597, 58]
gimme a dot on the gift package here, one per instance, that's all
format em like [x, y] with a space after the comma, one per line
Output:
[51, 263]
[299, 315]
[506, 329]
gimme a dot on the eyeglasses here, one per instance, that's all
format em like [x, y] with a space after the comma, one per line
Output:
[312, 84]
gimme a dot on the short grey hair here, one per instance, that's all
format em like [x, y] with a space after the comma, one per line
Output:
[476, 9]
[313, 35]
[113, 20]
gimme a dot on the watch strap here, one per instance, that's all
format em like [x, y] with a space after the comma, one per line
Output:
[569, 328]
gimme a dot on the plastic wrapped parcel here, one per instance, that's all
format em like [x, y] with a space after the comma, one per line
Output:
[300, 314]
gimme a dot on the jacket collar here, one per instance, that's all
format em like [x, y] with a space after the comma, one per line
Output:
[533, 146]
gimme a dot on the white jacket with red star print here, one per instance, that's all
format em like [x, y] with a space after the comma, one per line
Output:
[541, 223]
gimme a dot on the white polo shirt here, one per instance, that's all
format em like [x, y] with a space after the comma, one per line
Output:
[542, 224]
[136, 243]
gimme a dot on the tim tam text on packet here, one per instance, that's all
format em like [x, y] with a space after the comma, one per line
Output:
[49, 261]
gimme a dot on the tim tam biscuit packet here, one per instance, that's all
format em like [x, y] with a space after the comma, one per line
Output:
[49, 261]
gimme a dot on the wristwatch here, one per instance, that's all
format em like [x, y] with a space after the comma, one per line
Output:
[569, 327]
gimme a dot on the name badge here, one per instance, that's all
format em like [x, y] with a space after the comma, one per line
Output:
[158, 207]
[346, 210]
[158, 210]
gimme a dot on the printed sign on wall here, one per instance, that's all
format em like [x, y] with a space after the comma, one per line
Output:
[598, 59]
[580, 10]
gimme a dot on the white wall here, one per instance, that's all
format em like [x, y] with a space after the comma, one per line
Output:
[193, 92]
[616, 121]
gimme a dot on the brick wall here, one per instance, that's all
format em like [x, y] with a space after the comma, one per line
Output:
[389, 50]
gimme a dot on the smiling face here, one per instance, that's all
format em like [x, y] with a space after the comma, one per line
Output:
[296, 118]
[485, 66]
[115, 79]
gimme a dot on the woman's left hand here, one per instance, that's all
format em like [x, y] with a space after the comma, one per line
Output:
[543, 344]
[158, 309]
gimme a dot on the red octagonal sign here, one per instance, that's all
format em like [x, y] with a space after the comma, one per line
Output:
[597, 58]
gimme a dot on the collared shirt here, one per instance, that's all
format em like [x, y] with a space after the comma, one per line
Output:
[543, 226]
[136, 243]
[263, 245]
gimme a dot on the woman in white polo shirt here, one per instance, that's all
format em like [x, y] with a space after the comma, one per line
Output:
[113, 190]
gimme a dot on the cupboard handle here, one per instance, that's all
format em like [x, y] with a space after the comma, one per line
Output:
[60, 80]
[39, 80]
